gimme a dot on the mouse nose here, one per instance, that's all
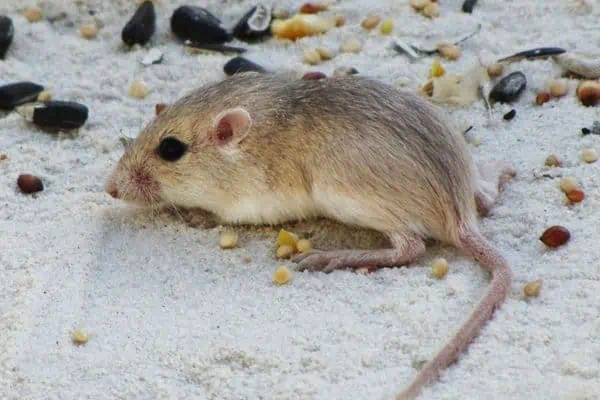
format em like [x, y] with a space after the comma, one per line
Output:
[112, 191]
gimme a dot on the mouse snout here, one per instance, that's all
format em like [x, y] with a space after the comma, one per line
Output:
[112, 190]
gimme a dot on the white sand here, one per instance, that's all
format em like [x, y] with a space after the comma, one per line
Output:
[171, 316]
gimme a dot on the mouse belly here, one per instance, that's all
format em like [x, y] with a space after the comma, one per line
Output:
[268, 209]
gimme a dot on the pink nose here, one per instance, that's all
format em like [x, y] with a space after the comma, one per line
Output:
[113, 191]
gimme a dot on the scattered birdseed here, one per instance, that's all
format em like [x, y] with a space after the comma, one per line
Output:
[229, 240]
[282, 275]
[79, 337]
[138, 89]
[33, 14]
[351, 45]
[533, 288]
[88, 31]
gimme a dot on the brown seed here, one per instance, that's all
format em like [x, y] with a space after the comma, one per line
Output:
[370, 22]
[3, 157]
[312, 8]
[575, 195]
[567, 184]
[533, 288]
[449, 52]
[88, 31]
[432, 10]
[542, 97]
[419, 4]
[340, 20]
[555, 236]
[495, 70]
[311, 56]
[552, 161]
[589, 93]
[159, 108]
[29, 183]
[314, 76]
[559, 88]
[324, 53]
[33, 14]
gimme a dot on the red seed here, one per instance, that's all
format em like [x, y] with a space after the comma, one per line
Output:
[555, 236]
[542, 97]
[314, 76]
[159, 108]
[312, 8]
[29, 183]
[575, 195]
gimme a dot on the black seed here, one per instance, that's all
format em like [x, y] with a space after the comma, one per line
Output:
[198, 25]
[255, 24]
[15, 94]
[241, 64]
[585, 131]
[171, 149]
[468, 6]
[534, 53]
[509, 88]
[60, 115]
[7, 32]
[510, 115]
[141, 26]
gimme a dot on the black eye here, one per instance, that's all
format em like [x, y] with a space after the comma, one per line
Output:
[171, 149]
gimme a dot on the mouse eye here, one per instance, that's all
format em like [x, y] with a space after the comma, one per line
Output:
[171, 149]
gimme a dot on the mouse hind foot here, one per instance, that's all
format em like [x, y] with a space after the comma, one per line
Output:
[407, 248]
[491, 179]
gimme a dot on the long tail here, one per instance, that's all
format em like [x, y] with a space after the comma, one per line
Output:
[488, 257]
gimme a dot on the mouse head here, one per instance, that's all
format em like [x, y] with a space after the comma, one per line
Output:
[180, 159]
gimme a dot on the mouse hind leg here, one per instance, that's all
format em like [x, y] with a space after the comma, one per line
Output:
[407, 247]
[490, 178]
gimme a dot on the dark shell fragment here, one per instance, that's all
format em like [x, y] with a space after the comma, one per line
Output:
[509, 88]
[7, 33]
[241, 64]
[198, 25]
[510, 115]
[255, 24]
[539, 52]
[141, 26]
[18, 93]
[60, 115]
[468, 6]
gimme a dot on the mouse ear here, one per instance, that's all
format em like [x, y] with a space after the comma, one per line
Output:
[231, 126]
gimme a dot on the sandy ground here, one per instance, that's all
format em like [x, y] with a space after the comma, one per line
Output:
[169, 315]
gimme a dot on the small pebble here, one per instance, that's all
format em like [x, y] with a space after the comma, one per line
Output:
[589, 93]
[29, 183]
[88, 31]
[370, 22]
[7, 33]
[439, 268]
[552, 161]
[432, 10]
[79, 337]
[559, 88]
[419, 4]
[229, 240]
[542, 97]
[586, 131]
[567, 184]
[450, 52]
[510, 115]
[495, 70]
[509, 88]
[589, 155]
[533, 288]
[311, 56]
[138, 89]
[45, 96]
[344, 71]
[33, 14]
[282, 275]
[351, 45]
[154, 56]
[313, 76]
[324, 53]
[285, 251]
[386, 27]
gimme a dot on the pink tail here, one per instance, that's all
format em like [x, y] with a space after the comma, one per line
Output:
[479, 248]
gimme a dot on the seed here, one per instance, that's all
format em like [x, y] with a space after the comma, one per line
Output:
[370, 22]
[7, 33]
[509, 88]
[88, 31]
[324, 53]
[282, 275]
[229, 240]
[386, 27]
[255, 24]
[567, 184]
[541, 98]
[589, 93]
[313, 8]
[419, 4]
[351, 45]
[575, 195]
[61, 115]
[533, 288]
[140, 28]
[555, 236]
[495, 70]
[340, 20]
[138, 89]
[304, 245]
[439, 268]
[589, 155]
[312, 56]
[33, 14]
[450, 52]
[510, 115]
[552, 161]
[432, 10]
[198, 25]
[3, 157]
[285, 251]
[313, 76]
[159, 108]
[437, 69]
[17, 93]
[285, 237]
[29, 183]
[45, 96]
[300, 25]
[559, 87]
[344, 71]
[79, 337]
[241, 64]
